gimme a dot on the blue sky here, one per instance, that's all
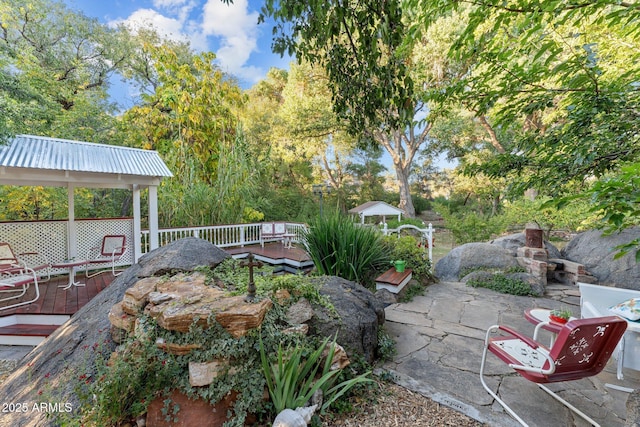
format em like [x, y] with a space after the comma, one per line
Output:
[230, 31]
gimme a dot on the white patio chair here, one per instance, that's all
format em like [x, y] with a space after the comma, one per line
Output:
[17, 280]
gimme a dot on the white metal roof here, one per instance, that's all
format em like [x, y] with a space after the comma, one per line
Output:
[36, 160]
[375, 208]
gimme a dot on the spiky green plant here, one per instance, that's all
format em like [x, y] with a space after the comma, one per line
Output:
[339, 247]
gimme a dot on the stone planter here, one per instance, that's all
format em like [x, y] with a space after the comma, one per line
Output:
[191, 412]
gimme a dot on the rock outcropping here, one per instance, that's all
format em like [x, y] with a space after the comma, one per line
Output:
[165, 285]
[596, 252]
[79, 340]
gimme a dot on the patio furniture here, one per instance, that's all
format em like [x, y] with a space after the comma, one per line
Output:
[17, 280]
[595, 301]
[32, 260]
[112, 249]
[540, 316]
[581, 349]
[71, 265]
[270, 231]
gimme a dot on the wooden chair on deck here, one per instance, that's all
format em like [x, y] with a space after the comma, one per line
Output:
[581, 350]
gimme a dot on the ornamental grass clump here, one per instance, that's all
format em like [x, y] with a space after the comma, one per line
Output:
[339, 247]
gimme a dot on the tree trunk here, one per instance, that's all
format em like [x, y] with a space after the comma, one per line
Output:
[405, 195]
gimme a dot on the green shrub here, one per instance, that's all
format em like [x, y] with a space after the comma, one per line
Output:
[339, 247]
[394, 223]
[406, 248]
[469, 226]
[500, 283]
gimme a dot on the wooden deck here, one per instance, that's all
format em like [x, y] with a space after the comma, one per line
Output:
[275, 253]
[31, 323]
[57, 301]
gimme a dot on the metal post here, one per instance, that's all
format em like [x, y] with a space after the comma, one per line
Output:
[319, 190]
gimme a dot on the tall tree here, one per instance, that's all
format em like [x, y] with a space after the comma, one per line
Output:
[359, 45]
[561, 75]
[55, 66]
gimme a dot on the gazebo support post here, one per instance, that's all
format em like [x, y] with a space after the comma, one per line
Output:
[153, 217]
[72, 231]
[137, 223]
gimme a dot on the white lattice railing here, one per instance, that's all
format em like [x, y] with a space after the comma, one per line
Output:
[50, 237]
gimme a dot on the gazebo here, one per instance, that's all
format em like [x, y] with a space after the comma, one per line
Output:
[375, 208]
[29, 160]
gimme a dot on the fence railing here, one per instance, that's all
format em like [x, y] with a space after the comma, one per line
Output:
[50, 237]
[223, 236]
[425, 233]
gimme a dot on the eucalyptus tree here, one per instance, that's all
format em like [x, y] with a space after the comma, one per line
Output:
[359, 45]
[55, 66]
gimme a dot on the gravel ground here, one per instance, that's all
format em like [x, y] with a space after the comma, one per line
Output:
[396, 406]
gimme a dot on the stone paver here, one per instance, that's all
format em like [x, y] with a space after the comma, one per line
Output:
[439, 338]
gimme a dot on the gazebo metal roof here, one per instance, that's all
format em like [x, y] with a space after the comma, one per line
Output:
[37, 160]
[376, 208]
[42, 161]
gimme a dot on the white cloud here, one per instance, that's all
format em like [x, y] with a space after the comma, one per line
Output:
[149, 18]
[232, 25]
[238, 33]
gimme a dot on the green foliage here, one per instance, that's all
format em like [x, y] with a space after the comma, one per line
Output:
[421, 204]
[394, 223]
[470, 226]
[575, 216]
[500, 283]
[562, 313]
[410, 291]
[297, 374]
[409, 249]
[617, 197]
[339, 247]
[371, 53]
[386, 346]
[55, 68]
[124, 385]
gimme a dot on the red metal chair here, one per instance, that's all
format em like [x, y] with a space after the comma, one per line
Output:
[112, 249]
[581, 349]
[17, 279]
[30, 260]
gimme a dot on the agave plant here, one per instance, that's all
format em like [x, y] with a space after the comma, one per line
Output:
[293, 378]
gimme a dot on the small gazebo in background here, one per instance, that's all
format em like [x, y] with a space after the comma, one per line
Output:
[376, 209]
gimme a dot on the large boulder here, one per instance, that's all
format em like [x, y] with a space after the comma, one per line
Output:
[514, 241]
[359, 312]
[596, 252]
[87, 334]
[472, 255]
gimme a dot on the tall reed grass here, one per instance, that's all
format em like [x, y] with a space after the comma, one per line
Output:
[339, 247]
